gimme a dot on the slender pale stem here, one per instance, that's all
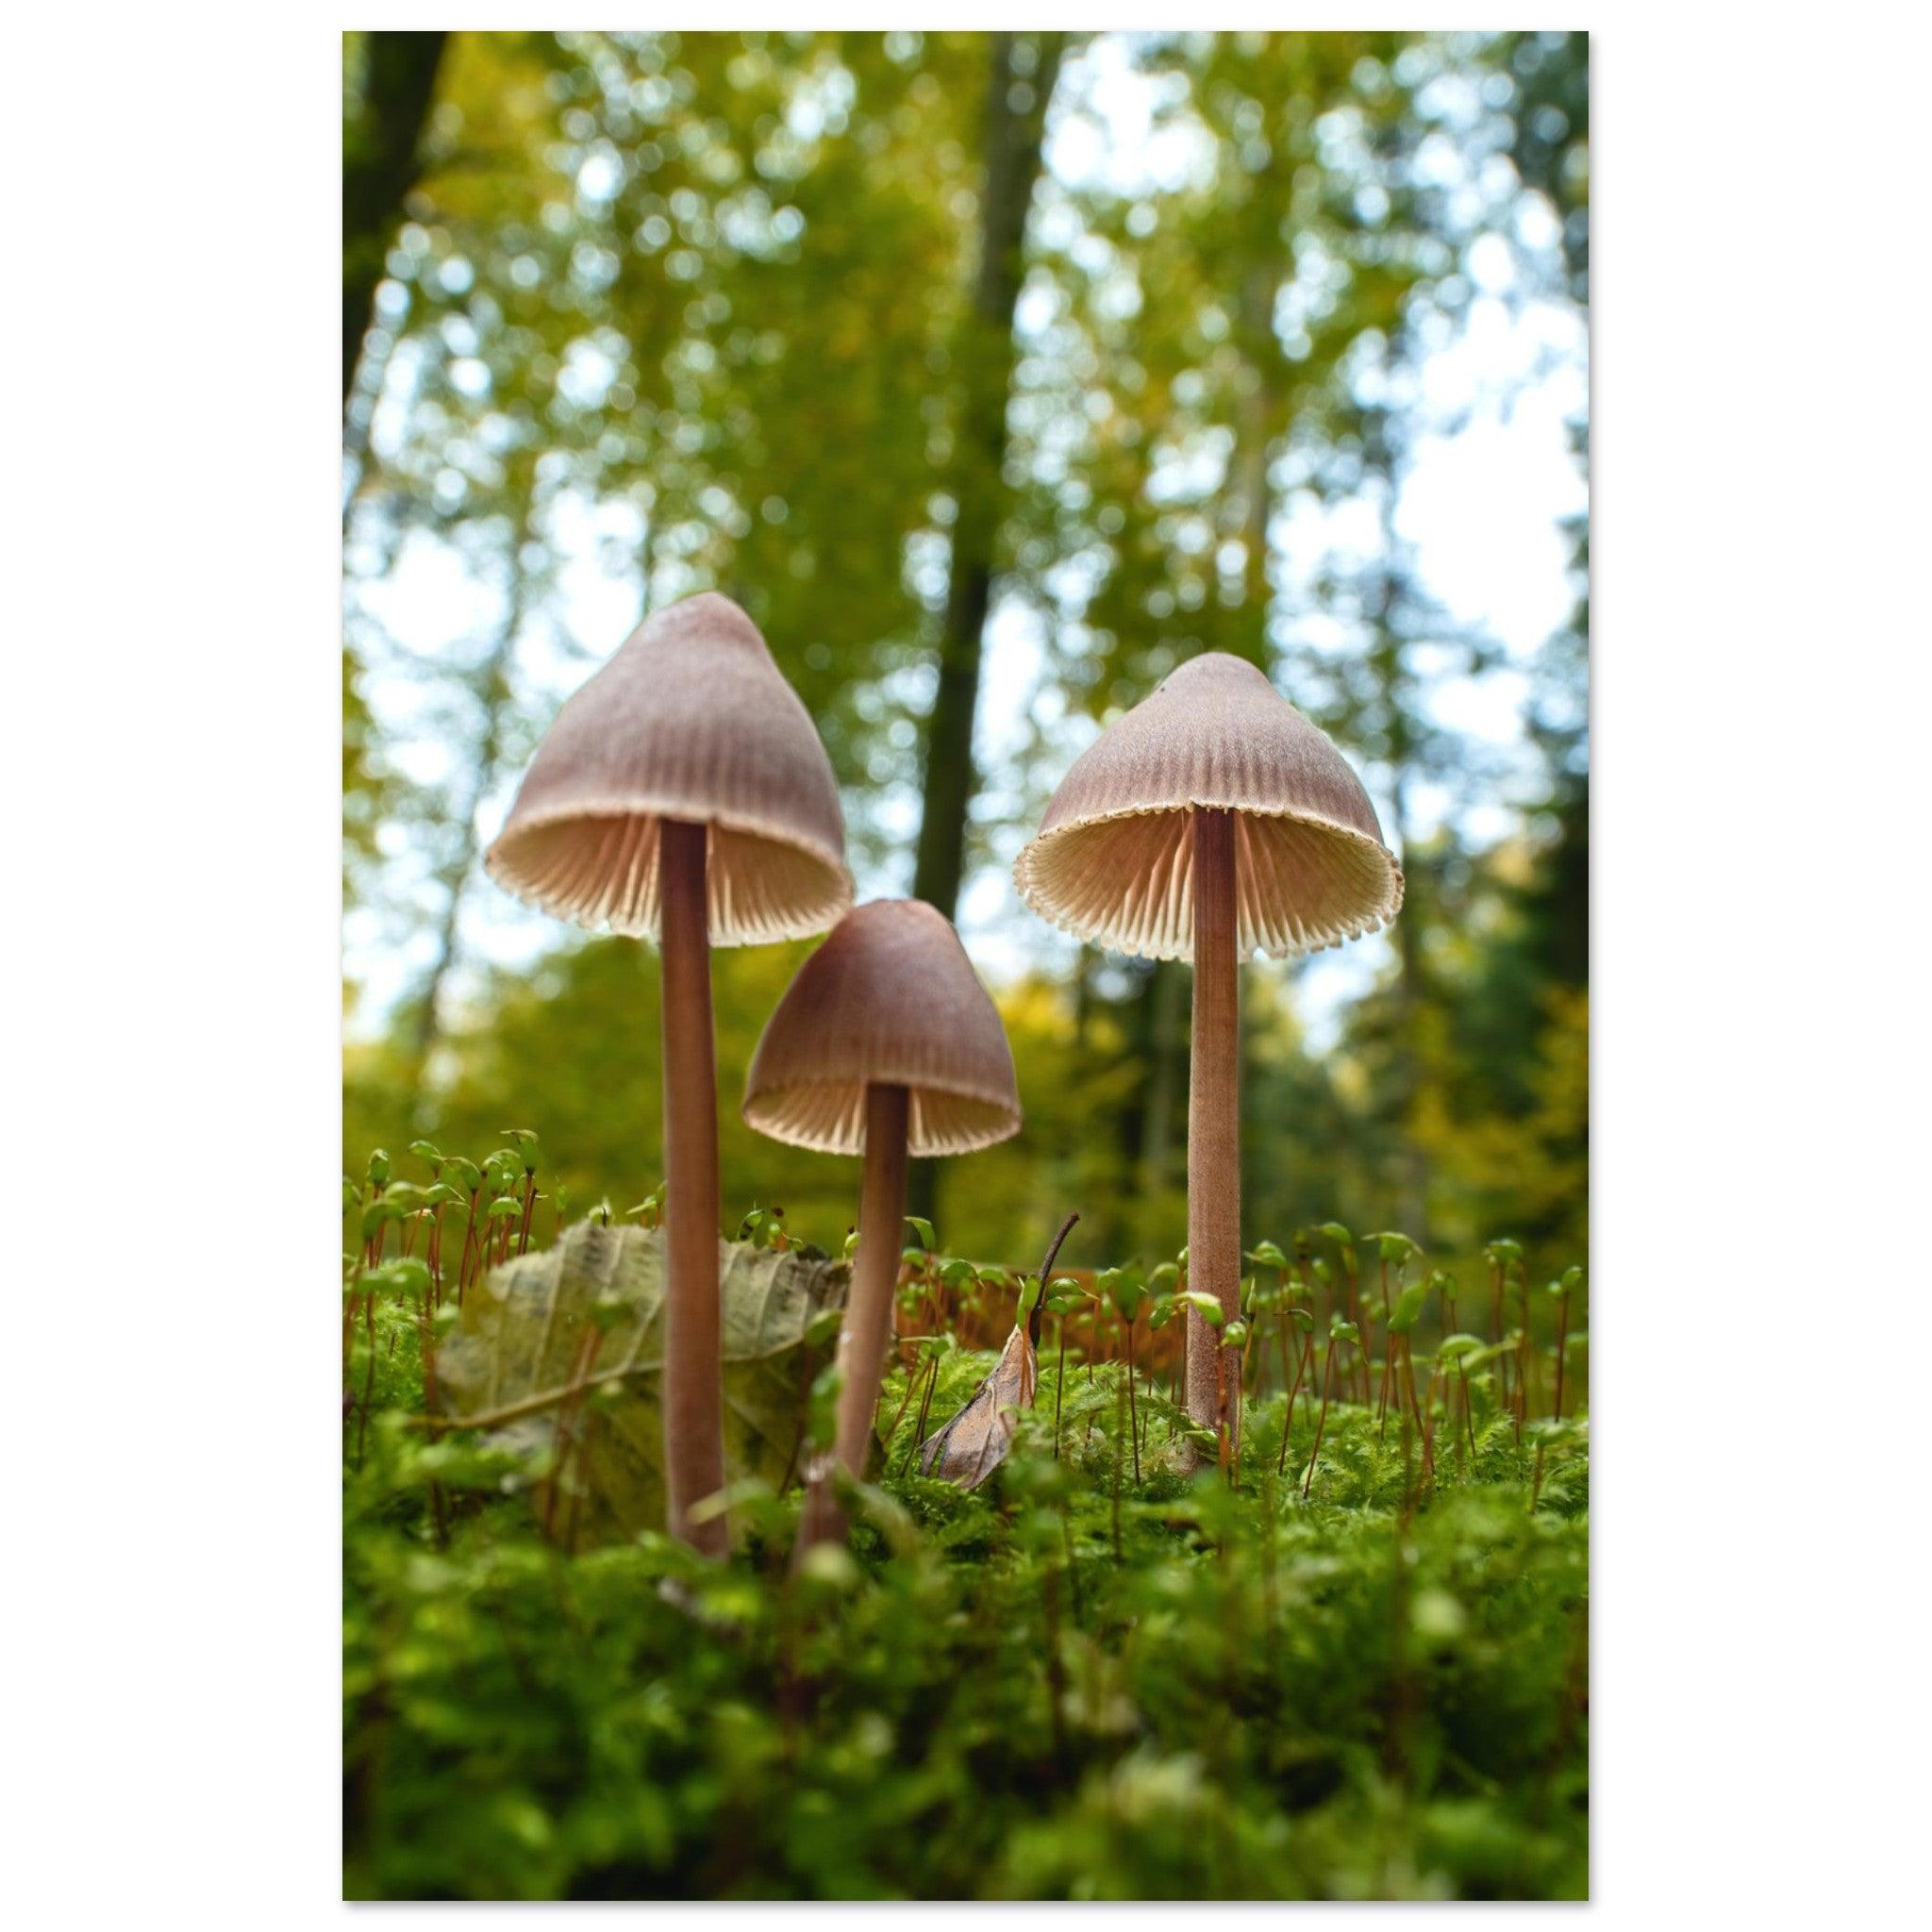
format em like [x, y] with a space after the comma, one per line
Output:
[1059, 1382]
[1303, 1360]
[913, 1378]
[694, 1390]
[1118, 1419]
[932, 1382]
[1562, 1347]
[1321, 1420]
[1214, 1166]
[1283, 1323]
[868, 1325]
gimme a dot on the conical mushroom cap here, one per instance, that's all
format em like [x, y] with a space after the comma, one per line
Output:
[1113, 860]
[890, 998]
[691, 720]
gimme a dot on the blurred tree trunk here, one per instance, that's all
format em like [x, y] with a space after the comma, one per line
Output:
[1254, 432]
[1166, 1049]
[1016, 105]
[1393, 685]
[1413, 1166]
[494, 692]
[1255, 441]
[493, 688]
[986, 359]
[382, 162]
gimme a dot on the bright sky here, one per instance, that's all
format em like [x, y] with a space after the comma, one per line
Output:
[1490, 478]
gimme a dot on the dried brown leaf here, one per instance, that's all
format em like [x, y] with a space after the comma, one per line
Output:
[970, 1447]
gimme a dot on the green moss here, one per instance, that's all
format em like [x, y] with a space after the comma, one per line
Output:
[1377, 1693]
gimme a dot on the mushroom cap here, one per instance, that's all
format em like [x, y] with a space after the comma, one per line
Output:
[889, 998]
[691, 720]
[1113, 861]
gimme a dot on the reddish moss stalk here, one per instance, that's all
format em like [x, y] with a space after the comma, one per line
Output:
[1321, 1420]
[529, 1209]
[1301, 1366]
[1562, 1347]
[466, 1260]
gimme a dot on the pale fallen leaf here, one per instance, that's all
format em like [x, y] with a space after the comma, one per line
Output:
[521, 1344]
[970, 1447]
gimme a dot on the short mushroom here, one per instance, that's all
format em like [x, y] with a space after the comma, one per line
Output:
[1212, 822]
[683, 791]
[885, 1045]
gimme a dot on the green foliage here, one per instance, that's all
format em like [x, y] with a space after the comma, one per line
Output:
[1097, 1676]
[714, 293]
[1000, 1708]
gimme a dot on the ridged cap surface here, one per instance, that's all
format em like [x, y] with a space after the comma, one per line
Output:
[691, 720]
[1113, 860]
[890, 998]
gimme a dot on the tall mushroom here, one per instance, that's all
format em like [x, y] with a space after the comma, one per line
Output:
[683, 791]
[885, 1045]
[1213, 821]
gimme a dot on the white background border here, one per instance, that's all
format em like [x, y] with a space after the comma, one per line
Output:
[171, 794]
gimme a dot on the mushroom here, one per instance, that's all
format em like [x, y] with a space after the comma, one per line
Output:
[885, 1045]
[683, 791]
[1213, 821]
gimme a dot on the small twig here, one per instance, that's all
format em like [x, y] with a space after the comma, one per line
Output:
[1046, 1269]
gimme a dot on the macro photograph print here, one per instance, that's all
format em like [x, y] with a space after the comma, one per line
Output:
[965, 1257]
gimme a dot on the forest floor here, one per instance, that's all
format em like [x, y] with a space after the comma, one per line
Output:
[1082, 1681]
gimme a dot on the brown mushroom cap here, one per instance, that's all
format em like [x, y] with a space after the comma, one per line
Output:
[1113, 861]
[691, 720]
[889, 998]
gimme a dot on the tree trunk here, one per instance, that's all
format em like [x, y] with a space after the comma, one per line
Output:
[1163, 995]
[1411, 992]
[1257, 425]
[986, 360]
[493, 694]
[1387, 663]
[1255, 445]
[382, 162]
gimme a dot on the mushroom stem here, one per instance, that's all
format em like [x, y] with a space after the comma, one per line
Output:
[694, 1394]
[868, 1325]
[1214, 1167]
